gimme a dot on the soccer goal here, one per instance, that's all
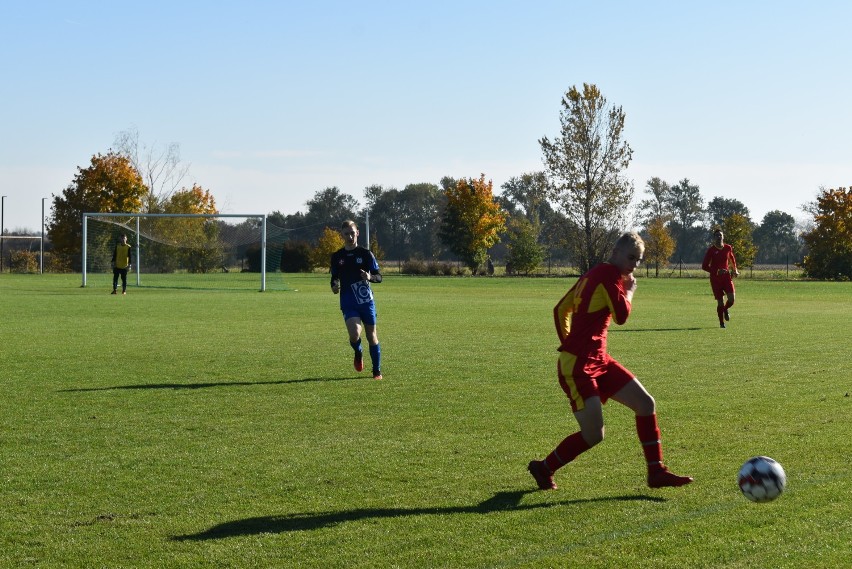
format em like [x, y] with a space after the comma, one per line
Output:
[176, 250]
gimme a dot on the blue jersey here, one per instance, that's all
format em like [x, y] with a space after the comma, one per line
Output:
[346, 267]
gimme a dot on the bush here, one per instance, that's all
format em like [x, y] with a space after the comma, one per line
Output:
[24, 262]
[431, 268]
[54, 263]
[296, 257]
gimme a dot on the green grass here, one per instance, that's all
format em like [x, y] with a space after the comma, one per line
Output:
[179, 428]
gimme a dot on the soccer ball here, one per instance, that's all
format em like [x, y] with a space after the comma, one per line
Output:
[761, 479]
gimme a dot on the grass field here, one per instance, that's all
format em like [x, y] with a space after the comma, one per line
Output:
[179, 428]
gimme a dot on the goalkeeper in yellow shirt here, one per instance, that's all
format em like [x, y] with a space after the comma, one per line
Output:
[122, 258]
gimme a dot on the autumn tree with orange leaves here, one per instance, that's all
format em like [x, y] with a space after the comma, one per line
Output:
[473, 220]
[109, 184]
[200, 249]
[830, 241]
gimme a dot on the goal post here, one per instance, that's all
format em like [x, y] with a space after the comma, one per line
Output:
[179, 250]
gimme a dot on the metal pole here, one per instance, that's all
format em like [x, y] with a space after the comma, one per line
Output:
[85, 220]
[138, 256]
[41, 252]
[263, 256]
[2, 228]
[367, 217]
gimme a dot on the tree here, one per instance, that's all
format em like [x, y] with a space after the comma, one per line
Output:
[738, 234]
[472, 221]
[525, 254]
[659, 244]
[329, 208]
[830, 241]
[109, 184]
[160, 168]
[189, 243]
[422, 206]
[191, 200]
[657, 206]
[720, 209]
[329, 242]
[528, 192]
[687, 209]
[776, 238]
[585, 166]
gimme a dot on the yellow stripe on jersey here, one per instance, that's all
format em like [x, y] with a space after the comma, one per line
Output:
[600, 299]
[567, 361]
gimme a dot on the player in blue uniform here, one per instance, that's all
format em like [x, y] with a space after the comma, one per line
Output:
[353, 268]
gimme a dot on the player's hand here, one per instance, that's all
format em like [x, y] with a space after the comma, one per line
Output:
[629, 282]
[365, 276]
[335, 286]
[736, 273]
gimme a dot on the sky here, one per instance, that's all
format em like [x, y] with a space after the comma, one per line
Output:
[271, 102]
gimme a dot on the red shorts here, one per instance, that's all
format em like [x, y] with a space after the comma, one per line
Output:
[721, 284]
[581, 378]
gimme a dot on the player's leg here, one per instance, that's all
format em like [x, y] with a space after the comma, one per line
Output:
[369, 320]
[729, 293]
[114, 281]
[586, 404]
[353, 327]
[719, 295]
[123, 281]
[636, 397]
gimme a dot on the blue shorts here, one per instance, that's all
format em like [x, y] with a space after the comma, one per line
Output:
[366, 312]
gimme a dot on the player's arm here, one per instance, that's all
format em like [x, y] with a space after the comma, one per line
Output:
[562, 313]
[373, 275]
[620, 298]
[335, 276]
[733, 261]
[705, 264]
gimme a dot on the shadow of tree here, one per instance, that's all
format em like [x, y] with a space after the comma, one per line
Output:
[502, 501]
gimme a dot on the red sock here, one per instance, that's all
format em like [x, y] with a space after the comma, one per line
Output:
[649, 436]
[566, 451]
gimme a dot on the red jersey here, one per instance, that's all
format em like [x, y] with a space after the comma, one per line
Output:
[583, 315]
[717, 259]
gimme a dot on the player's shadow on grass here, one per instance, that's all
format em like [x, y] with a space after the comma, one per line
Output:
[500, 502]
[209, 384]
[621, 330]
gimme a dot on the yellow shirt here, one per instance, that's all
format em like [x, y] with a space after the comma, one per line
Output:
[121, 258]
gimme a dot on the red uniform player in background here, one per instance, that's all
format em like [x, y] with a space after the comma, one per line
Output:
[716, 262]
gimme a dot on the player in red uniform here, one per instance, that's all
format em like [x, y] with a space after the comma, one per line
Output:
[589, 375]
[716, 260]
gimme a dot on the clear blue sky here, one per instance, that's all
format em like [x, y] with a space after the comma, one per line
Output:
[271, 102]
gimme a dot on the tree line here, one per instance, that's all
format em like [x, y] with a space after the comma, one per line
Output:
[570, 212]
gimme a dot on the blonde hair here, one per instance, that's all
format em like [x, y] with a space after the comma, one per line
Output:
[629, 240]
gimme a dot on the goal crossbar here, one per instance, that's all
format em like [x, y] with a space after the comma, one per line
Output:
[139, 216]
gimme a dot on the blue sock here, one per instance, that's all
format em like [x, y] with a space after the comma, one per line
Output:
[376, 356]
[356, 346]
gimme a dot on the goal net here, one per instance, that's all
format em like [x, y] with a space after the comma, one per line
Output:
[224, 251]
